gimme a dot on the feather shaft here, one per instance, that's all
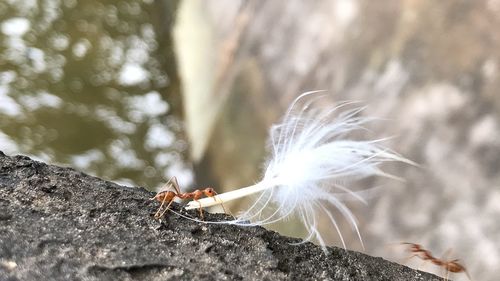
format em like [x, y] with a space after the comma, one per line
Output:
[227, 196]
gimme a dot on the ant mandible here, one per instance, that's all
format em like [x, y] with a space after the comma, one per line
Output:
[450, 265]
[169, 196]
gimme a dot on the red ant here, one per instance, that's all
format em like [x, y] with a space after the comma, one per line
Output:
[169, 196]
[450, 266]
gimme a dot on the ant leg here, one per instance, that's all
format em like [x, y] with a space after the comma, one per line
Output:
[221, 204]
[201, 213]
[166, 209]
[165, 186]
[445, 256]
[468, 276]
[422, 264]
[201, 210]
[175, 184]
[159, 209]
[405, 261]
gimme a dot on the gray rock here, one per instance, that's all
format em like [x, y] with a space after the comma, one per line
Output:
[60, 224]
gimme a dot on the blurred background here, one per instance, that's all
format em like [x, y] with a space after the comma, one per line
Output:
[138, 91]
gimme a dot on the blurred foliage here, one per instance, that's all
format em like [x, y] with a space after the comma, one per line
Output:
[92, 84]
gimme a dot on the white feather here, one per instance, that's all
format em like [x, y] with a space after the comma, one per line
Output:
[311, 159]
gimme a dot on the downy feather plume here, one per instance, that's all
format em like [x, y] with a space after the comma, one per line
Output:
[311, 161]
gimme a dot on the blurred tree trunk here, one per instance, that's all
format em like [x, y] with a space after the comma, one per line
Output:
[430, 67]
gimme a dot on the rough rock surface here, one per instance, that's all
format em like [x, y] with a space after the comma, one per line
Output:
[60, 224]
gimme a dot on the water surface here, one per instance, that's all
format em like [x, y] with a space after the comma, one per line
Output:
[91, 84]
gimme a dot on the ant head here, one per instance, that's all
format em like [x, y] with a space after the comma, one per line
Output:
[209, 192]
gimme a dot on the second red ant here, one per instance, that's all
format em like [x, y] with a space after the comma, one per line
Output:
[165, 196]
[448, 265]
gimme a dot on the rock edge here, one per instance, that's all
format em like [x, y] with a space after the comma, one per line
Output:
[60, 224]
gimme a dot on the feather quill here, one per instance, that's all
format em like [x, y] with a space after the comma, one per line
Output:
[311, 159]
